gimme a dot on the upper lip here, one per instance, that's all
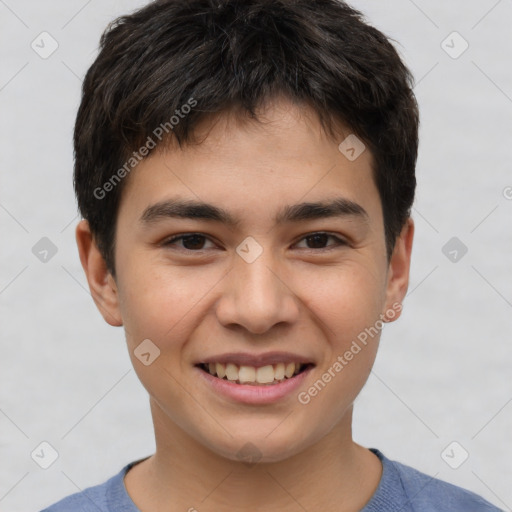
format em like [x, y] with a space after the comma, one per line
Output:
[256, 360]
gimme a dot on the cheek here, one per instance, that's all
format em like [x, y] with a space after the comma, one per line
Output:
[347, 306]
[161, 303]
[146, 292]
[347, 299]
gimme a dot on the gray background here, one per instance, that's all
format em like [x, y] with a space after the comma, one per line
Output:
[443, 370]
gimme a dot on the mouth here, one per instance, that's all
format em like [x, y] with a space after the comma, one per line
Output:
[267, 375]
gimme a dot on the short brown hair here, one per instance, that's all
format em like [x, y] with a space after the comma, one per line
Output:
[225, 53]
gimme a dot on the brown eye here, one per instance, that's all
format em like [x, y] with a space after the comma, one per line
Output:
[319, 241]
[192, 242]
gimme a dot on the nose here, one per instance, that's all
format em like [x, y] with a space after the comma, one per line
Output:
[257, 296]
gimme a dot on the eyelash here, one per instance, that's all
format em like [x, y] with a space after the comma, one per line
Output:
[339, 241]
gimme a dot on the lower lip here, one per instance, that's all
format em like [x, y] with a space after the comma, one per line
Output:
[253, 394]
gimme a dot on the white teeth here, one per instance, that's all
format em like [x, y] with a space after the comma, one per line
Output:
[289, 369]
[265, 374]
[221, 370]
[231, 372]
[246, 374]
[279, 371]
[251, 375]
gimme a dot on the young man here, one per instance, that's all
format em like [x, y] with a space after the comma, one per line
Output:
[246, 171]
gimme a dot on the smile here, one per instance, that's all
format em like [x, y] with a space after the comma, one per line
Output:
[270, 374]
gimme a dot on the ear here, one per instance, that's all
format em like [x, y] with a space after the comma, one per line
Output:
[398, 273]
[101, 283]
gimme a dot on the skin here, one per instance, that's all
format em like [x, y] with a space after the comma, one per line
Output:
[299, 297]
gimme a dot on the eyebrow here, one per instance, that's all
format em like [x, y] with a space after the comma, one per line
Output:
[191, 209]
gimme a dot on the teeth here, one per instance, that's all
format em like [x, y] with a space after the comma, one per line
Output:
[221, 370]
[251, 375]
[279, 371]
[231, 372]
[265, 374]
[289, 369]
[246, 374]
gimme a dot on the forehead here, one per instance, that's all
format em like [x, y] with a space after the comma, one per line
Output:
[255, 167]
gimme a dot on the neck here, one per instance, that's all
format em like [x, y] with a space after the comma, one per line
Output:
[185, 475]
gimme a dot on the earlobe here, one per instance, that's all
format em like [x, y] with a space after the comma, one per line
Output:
[101, 283]
[398, 273]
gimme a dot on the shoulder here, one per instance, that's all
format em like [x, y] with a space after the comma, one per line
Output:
[92, 499]
[426, 493]
[89, 500]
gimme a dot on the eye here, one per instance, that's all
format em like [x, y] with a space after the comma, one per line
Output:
[193, 242]
[318, 240]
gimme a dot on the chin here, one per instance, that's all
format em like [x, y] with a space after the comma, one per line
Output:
[261, 448]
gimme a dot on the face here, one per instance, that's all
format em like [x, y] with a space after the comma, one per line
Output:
[223, 257]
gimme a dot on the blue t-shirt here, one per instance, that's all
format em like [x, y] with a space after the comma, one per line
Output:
[401, 488]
